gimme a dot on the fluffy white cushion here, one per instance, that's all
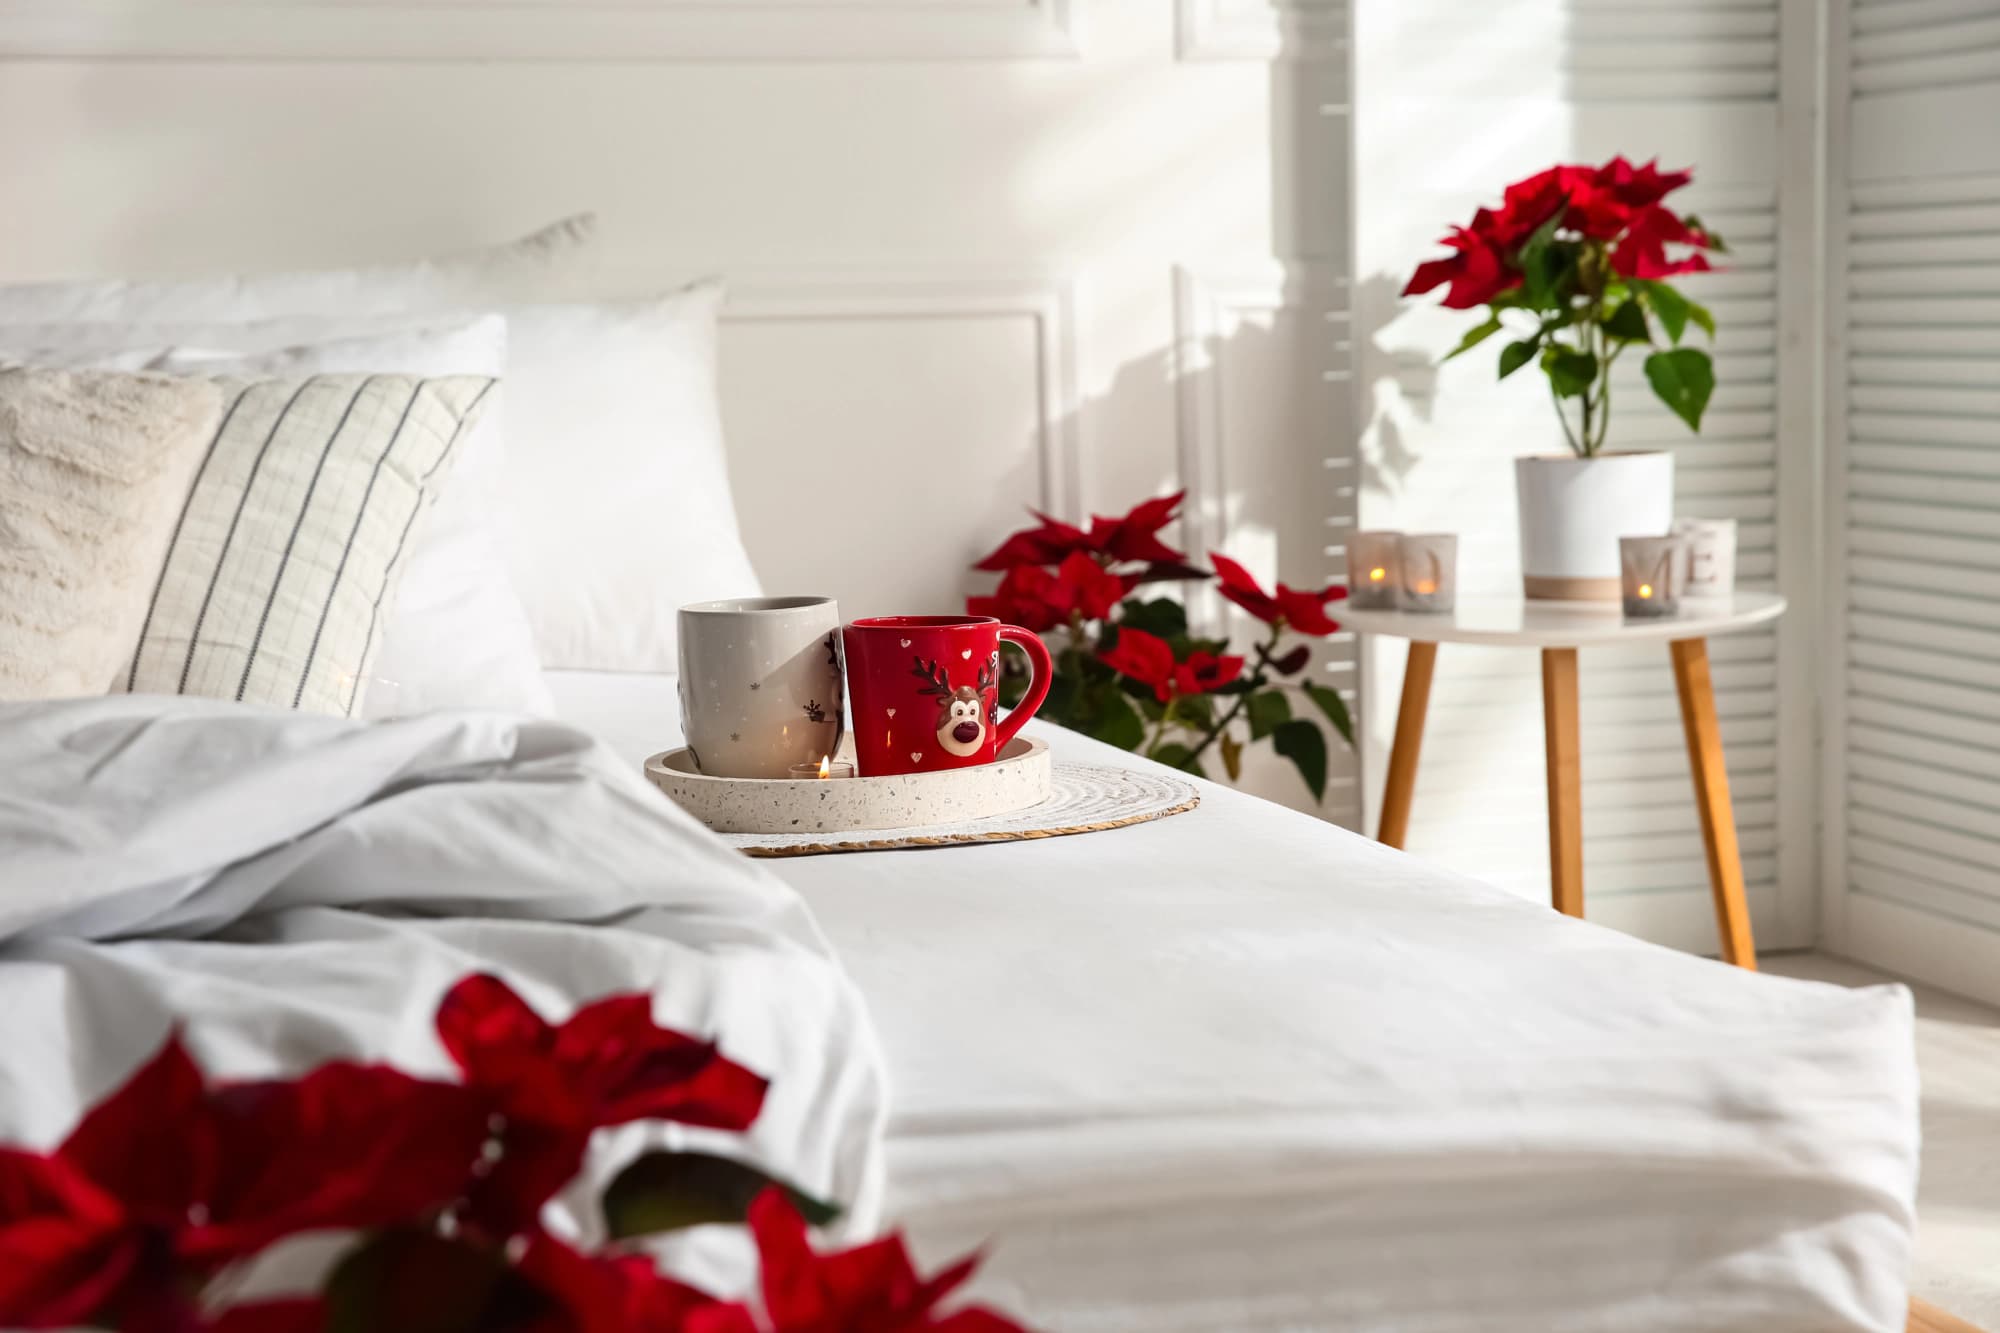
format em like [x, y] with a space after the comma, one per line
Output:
[294, 534]
[539, 266]
[93, 469]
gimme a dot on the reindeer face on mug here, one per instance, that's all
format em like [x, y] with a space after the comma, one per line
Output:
[964, 713]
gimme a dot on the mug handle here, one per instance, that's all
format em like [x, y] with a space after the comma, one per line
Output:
[1043, 668]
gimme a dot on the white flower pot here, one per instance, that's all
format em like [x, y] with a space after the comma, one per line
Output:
[1574, 510]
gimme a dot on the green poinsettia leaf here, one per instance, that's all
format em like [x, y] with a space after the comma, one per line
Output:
[1670, 306]
[1700, 315]
[1570, 372]
[1335, 708]
[1517, 354]
[1301, 742]
[1232, 755]
[1628, 323]
[1116, 722]
[409, 1278]
[1683, 378]
[1267, 711]
[1061, 700]
[1161, 617]
[671, 1191]
[1175, 755]
[1479, 334]
[1195, 710]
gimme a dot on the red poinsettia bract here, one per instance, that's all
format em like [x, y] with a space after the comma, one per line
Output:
[1034, 598]
[1133, 538]
[168, 1176]
[873, 1288]
[1299, 610]
[608, 1065]
[1617, 203]
[1149, 659]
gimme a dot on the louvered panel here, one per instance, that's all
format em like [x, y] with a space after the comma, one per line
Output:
[1970, 701]
[1657, 50]
[1922, 44]
[1922, 719]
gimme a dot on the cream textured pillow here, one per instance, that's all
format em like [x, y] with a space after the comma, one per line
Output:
[93, 468]
[279, 576]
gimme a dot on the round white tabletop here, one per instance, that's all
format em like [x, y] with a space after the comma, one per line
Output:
[1503, 620]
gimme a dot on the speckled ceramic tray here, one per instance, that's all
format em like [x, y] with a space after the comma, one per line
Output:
[1085, 798]
[1018, 780]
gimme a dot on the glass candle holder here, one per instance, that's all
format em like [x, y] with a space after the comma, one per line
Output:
[825, 768]
[1652, 573]
[1429, 565]
[1371, 570]
[1711, 557]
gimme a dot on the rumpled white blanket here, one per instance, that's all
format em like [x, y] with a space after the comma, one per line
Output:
[294, 889]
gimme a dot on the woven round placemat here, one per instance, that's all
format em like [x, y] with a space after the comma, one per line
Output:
[1084, 798]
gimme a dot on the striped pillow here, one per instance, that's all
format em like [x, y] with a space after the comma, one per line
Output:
[276, 578]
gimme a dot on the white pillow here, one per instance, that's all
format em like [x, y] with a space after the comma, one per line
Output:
[619, 506]
[539, 266]
[93, 470]
[619, 503]
[456, 635]
[294, 534]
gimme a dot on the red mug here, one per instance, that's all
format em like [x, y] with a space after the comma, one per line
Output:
[925, 691]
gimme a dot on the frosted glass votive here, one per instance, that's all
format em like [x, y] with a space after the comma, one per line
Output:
[1429, 564]
[1371, 570]
[1652, 572]
[1711, 555]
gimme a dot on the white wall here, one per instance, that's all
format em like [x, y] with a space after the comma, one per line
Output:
[1061, 252]
[1913, 491]
[1448, 111]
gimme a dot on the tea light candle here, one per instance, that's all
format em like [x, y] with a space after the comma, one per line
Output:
[1371, 570]
[1429, 571]
[1711, 556]
[1652, 571]
[827, 767]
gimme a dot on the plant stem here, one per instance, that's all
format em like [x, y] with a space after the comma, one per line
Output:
[1257, 682]
[1167, 719]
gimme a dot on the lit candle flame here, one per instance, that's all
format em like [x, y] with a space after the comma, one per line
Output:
[1377, 574]
[1645, 591]
[1425, 587]
[826, 765]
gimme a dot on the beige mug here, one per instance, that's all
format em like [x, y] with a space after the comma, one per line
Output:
[762, 684]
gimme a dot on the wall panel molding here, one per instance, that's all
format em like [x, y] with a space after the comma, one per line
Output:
[1211, 305]
[1261, 29]
[534, 30]
[1048, 302]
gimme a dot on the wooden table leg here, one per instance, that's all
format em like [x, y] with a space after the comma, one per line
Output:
[1711, 794]
[1564, 740]
[1402, 779]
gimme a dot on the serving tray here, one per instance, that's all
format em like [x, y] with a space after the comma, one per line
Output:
[1019, 779]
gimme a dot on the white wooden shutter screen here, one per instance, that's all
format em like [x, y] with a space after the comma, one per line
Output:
[1912, 844]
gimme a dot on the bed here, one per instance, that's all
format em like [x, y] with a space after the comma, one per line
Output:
[1242, 1070]
[1235, 1071]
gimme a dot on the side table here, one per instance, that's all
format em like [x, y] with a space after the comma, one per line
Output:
[1559, 629]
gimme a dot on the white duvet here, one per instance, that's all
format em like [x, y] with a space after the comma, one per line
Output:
[294, 889]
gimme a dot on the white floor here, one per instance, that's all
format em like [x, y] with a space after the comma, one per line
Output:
[1958, 1202]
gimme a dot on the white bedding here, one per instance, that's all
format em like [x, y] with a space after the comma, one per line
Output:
[297, 888]
[1240, 1070]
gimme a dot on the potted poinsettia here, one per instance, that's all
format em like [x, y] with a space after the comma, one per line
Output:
[1572, 270]
[1130, 671]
